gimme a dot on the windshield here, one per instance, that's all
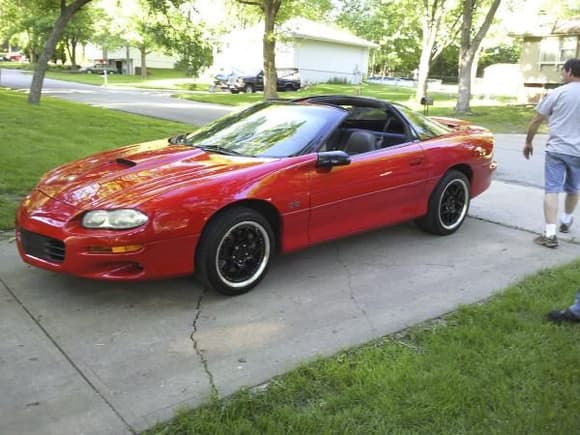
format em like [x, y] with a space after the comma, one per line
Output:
[267, 130]
[426, 128]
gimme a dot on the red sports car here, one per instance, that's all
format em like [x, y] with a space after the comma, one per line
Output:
[275, 177]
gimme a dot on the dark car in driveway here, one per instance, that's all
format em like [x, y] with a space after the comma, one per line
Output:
[99, 68]
[287, 80]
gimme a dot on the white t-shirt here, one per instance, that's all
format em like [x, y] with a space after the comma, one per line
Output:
[562, 107]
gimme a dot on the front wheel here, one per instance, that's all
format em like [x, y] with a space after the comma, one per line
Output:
[235, 250]
[248, 89]
[448, 205]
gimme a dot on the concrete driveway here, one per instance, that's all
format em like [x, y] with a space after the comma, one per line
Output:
[80, 356]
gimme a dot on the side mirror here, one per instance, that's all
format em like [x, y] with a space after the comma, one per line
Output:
[328, 159]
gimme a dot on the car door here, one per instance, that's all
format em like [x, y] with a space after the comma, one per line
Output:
[377, 188]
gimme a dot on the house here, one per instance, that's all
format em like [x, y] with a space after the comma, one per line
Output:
[320, 52]
[127, 59]
[545, 48]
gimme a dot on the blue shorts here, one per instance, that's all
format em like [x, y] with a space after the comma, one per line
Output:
[562, 173]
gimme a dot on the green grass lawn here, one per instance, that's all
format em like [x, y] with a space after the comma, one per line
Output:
[39, 138]
[492, 368]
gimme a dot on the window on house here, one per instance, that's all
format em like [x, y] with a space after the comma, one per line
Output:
[568, 48]
[557, 50]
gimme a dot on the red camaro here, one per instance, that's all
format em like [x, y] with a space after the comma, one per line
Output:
[275, 177]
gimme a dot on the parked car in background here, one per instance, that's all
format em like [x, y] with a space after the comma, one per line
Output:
[99, 68]
[288, 80]
[275, 177]
[13, 57]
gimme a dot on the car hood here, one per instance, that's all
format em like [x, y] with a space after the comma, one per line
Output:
[129, 176]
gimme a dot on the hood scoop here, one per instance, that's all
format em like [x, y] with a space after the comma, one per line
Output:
[126, 162]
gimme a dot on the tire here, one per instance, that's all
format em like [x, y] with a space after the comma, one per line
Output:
[249, 89]
[448, 205]
[235, 251]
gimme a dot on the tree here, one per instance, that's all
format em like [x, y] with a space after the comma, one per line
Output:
[470, 48]
[275, 12]
[79, 30]
[392, 25]
[439, 23]
[180, 36]
[66, 13]
[143, 37]
[9, 19]
[270, 9]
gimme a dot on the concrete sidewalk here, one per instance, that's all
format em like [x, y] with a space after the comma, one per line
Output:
[88, 357]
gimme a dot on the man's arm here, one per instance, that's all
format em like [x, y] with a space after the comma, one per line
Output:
[532, 130]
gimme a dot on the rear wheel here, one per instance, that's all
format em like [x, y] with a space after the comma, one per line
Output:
[448, 205]
[235, 250]
[248, 89]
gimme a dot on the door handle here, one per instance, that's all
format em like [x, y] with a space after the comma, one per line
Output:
[416, 161]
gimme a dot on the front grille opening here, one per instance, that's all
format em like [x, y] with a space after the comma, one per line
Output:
[45, 248]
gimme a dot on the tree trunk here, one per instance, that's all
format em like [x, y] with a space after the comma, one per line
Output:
[143, 51]
[271, 8]
[423, 74]
[465, 59]
[128, 70]
[66, 13]
[468, 51]
[431, 18]
[73, 58]
[73, 51]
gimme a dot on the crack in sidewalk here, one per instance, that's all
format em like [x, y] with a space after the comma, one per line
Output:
[353, 298]
[69, 359]
[572, 240]
[198, 350]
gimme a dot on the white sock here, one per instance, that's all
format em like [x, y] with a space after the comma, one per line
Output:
[550, 230]
[566, 218]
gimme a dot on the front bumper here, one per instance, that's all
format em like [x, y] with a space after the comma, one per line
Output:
[47, 237]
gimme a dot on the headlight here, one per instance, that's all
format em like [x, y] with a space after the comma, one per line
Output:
[121, 219]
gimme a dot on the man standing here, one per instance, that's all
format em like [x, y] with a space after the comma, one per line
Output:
[561, 108]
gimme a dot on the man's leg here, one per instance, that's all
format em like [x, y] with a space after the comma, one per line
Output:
[570, 203]
[554, 176]
[551, 209]
[571, 187]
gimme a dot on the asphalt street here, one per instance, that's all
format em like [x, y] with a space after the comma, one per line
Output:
[79, 356]
[147, 102]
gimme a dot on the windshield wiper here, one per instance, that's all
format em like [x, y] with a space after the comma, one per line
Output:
[219, 150]
[179, 139]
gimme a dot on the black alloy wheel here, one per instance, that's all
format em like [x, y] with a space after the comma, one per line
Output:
[235, 250]
[448, 204]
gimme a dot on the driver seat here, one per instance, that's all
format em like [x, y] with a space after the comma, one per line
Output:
[360, 142]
